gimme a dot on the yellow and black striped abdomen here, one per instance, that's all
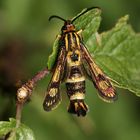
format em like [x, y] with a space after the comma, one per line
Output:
[75, 84]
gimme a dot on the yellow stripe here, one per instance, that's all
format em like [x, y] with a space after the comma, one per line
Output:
[76, 63]
[77, 40]
[77, 95]
[66, 42]
[74, 79]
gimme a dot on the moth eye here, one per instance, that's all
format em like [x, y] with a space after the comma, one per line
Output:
[74, 57]
[64, 28]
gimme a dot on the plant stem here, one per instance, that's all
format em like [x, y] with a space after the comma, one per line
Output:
[19, 107]
[25, 92]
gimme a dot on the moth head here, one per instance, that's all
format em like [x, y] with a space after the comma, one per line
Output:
[68, 24]
[67, 27]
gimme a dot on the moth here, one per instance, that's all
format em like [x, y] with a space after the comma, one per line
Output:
[73, 64]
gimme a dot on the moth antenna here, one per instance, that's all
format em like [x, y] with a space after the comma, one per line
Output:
[88, 9]
[54, 16]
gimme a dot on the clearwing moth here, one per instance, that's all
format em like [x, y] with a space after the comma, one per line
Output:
[70, 68]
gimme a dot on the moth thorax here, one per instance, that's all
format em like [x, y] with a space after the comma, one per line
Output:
[73, 58]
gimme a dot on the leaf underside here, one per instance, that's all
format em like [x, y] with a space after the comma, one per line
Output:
[116, 51]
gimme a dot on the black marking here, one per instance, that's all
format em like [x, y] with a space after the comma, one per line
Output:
[75, 70]
[69, 41]
[78, 107]
[54, 84]
[101, 77]
[51, 102]
[74, 57]
[73, 88]
[62, 41]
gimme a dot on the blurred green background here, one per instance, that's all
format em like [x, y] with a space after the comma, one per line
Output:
[26, 39]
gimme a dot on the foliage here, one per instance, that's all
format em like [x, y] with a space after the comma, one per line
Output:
[20, 133]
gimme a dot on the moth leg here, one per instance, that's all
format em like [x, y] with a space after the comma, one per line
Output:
[53, 97]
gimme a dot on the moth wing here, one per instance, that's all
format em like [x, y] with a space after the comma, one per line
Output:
[102, 83]
[53, 97]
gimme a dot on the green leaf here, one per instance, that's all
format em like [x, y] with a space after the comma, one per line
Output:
[20, 133]
[91, 20]
[88, 23]
[119, 57]
[52, 57]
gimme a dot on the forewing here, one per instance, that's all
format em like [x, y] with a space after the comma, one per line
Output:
[53, 98]
[102, 83]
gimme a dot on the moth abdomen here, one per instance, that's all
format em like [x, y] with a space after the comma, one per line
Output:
[75, 85]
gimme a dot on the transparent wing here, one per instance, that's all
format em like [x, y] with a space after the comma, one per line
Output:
[102, 83]
[53, 98]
